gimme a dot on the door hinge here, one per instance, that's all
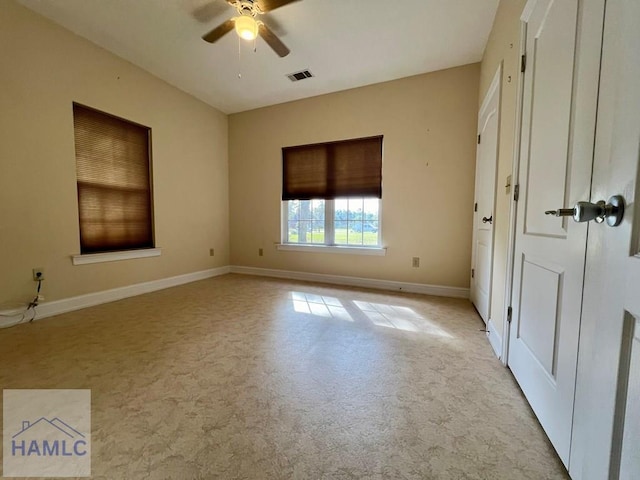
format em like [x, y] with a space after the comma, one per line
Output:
[523, 63]
[516, 192]
[475, 207]
[478, 139]
[509, 314]
[473, 273]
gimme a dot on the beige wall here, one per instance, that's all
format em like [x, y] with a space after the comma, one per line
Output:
[429, 127]
[503, 47]
[44, 69]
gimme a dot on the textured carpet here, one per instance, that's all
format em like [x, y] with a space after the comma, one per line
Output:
[239, 377]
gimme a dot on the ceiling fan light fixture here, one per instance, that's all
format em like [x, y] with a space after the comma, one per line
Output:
[246, 27]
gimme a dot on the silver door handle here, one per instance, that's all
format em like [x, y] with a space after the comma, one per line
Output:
[612, 211]
[487, 220]
[561, 212]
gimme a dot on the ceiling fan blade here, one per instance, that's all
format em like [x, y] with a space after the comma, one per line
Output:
[268, 5]
[208, 11]
[215, 34]
[274, 42]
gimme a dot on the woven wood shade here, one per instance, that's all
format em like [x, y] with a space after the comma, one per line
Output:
[349, 168]
[114, 182]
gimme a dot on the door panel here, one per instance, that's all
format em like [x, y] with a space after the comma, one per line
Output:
[629, 401]
[557, 135]
[538, 325]
[551, 61]
[486, 166]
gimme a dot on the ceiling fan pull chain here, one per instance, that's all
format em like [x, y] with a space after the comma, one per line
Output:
[239, 58]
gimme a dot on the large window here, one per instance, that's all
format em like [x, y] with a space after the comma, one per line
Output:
[113, 168]
[331, 193]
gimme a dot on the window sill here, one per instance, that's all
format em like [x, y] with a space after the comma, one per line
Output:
[114, 256]
[291, 247]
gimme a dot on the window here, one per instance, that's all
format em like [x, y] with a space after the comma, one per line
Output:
[343, 221]
[113, 168]
[331, 193]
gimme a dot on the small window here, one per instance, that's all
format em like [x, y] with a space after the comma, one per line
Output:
[331, 193]
[113, 168]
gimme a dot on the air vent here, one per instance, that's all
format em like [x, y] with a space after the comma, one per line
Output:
[294, 77]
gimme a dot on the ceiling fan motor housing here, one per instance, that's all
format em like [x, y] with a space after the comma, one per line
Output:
[248, 8]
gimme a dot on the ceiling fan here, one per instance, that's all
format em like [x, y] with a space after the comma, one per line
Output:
[247, 25]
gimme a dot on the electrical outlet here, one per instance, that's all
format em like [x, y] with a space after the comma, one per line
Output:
[415, 262]
[260, 252]
[211, 252]
[38, 274]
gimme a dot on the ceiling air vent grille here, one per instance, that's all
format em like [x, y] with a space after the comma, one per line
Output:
[294, 77]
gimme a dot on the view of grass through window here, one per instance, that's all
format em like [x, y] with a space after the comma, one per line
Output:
[355, 221]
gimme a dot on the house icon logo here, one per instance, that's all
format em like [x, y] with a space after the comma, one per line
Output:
[46, 437]
[46, 433]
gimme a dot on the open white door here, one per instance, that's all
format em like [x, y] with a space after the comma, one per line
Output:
[563, 45]
[606, 439]
[485, 198]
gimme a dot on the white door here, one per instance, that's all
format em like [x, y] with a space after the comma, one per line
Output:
[486, 166]
[563, 42]
[606, 442]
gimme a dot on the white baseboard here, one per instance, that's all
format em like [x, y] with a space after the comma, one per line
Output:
[57, 307]
[48, 309]
[494, 338]
[438, 290]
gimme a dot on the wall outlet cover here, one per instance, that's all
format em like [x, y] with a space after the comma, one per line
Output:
[38, 274]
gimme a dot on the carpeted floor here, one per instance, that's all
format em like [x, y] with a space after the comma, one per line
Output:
[240, 377]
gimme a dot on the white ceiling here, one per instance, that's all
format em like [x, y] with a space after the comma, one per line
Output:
[345, 43]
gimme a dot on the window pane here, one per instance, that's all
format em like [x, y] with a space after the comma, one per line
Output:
[317, 233]
[305, 211]
[370, 233]
[357, 221]
[293, 208]
[355, 236]
[371, 206]
[318, 210]
[341, 231]
[306, 221]
[355, 208]
[304, 232]
[341, 206]
[292, 232]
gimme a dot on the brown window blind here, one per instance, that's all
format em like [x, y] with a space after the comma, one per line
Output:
[114, 182]
[349, 168]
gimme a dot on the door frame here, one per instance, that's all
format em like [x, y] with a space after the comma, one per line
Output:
[513, 207]
[495, 87]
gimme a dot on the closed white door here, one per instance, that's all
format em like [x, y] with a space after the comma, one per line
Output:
[606, 441]
[485, 195]
[563, 43]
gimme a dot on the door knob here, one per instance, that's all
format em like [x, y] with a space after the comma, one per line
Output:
[488, 220]
[611, 211]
